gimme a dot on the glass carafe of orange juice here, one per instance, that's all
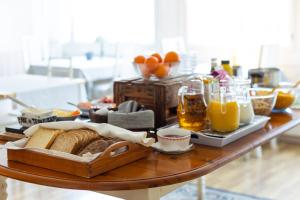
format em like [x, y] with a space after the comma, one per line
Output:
[223, 109]
[191, 110]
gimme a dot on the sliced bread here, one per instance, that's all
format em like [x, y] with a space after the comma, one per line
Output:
[96, 146]
[73, 140]
[42, 138]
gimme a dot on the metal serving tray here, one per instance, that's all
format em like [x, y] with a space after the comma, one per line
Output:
[219, 140]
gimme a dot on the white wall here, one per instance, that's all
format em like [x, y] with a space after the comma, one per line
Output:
[29, 22]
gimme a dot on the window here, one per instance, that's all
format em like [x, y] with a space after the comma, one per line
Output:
[235, 22]
[116, 20]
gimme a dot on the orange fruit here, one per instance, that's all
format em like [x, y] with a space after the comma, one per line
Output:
[171, 56]
[157, 56]
[139, 59]
[152, 63]
[162, 70]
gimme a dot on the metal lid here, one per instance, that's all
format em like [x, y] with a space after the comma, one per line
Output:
[225, 62]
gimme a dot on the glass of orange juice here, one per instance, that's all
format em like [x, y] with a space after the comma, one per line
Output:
[223, 109]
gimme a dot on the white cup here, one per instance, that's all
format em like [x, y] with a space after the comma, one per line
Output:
[174, 139]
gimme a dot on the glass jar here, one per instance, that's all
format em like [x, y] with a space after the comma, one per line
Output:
[208, 81]
[191, 110]
[227, 67]
[242, 87]
[223, 109]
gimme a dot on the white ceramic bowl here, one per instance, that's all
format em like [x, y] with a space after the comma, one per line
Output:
[174, 138]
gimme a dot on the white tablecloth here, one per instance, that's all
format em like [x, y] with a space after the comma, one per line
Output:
[43, 91]
[96, 69]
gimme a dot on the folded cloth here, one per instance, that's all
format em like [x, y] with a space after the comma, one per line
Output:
[105, 130]
[134, 120]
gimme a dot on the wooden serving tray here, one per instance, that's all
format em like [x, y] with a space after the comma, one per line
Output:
[108, 160]
[8, 136]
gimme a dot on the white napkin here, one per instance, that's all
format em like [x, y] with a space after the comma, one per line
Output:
[105, 130]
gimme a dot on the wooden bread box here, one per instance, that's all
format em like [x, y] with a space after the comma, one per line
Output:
[110, 159]
[159, 96]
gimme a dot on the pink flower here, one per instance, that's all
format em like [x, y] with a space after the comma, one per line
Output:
[220, 74]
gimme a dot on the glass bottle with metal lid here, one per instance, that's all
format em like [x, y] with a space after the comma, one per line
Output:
[242, 87]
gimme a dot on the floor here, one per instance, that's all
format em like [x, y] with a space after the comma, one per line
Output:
[276, 175]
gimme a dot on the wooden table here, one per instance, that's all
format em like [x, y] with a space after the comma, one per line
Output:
[151, 177]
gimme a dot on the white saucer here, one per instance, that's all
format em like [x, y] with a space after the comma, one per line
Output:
[157, 146]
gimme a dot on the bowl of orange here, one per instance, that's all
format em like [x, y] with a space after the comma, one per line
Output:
[157, 67]
[285, 99]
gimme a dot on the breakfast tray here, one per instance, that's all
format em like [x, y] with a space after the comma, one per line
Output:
[220, 140]
[116, 155]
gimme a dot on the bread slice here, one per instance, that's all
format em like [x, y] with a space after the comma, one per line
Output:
[86, 136]
[65, 142]
[42, 138]
[96, 146]
[73, 140]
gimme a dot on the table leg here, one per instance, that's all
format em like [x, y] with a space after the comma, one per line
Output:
[274, 144]
[3, 186]
[201, 186]
[258, 152]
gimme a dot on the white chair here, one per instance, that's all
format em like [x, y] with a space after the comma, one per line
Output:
[34, 49]
[105, 87]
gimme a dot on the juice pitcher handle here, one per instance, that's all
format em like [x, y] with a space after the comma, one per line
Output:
[181, 93]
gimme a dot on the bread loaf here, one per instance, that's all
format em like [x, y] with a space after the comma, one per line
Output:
[42, 138]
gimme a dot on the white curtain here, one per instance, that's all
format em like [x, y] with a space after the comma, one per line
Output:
[11, 13]
[27, 28]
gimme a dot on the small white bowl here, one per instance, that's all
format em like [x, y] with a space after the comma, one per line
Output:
[175, 139]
